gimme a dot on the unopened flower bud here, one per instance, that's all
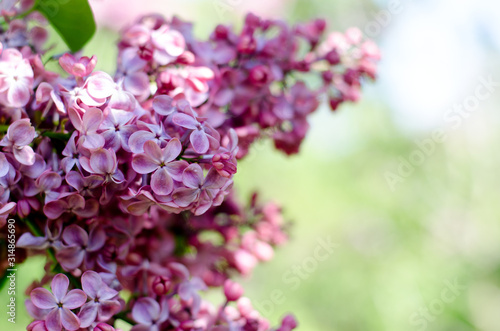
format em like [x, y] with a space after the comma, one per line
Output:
[232, 290]
[333, 57]
[289, 321]
[162, 285]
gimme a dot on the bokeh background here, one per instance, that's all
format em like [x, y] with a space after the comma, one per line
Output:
[415, 219]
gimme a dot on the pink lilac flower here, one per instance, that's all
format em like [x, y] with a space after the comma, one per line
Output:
[71, 153]
[85, 186]
[117, 128]
[147, 132]
[61, 302]
[16, 79]
[78, 245]
[169, 44]
[47, 183]
[103, 302]
[149, 314]
[87, 127]
[103, 162]
[198, 188]
[131, 72]
[188, 291]
[202, 135]
[50, 239]
[19, 135]
[72, 204]
[160, 162]
[78, 67]
[127, 174]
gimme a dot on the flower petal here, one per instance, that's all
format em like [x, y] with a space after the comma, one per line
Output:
[137, 140]
[172, 150]
[185, 121]
[27, 240]
[100, 85]
[74, 299]
[163, 105]
[91, 283]
[199, 141]
[59, 286]
[42, 298]
[69, 320]
[145, 311]
[184, 196]
[93, 141]
[193, 176]
[55, 209]
[92, 119]
[53, 320]
[154, 151]
[75, 235]
[144, 164]
[18, 94]
[175, 169]
[161, 182]
[214, 180]
[108, 308]
[21, 132]
[88, 314]
[97, 239]
[70, 258]
[24, 155]
[90, 209]
[4, 165]
[103, 161]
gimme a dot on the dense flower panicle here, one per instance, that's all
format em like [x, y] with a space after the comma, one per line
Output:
[125, 182]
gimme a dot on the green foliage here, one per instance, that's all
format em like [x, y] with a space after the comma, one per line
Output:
[72, 19]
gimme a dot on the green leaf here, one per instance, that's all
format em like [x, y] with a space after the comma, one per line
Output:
[72, 19]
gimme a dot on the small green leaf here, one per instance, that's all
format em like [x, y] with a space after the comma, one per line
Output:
[72, 19]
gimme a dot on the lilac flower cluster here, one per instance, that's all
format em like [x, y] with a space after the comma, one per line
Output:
[248, 81]
[125, 182]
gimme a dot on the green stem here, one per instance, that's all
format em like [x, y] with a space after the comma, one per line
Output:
[33, 227]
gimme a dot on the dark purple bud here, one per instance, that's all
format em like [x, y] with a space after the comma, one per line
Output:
[333, 57]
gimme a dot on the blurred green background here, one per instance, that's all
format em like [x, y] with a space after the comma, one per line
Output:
[422, 254]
